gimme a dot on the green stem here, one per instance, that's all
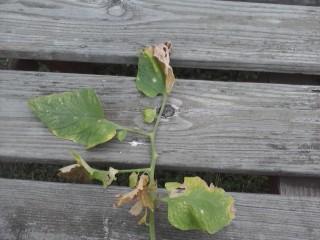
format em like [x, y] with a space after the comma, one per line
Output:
[82, 163]
[136, 130]
[134, 170]
[152, 228]
[154, 157]
[163, 104]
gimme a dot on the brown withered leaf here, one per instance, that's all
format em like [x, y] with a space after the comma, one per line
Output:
[136, 209]
[162, 53]
[83, 173]
[143, 220]
[130, 196]
[142, 197]
[74, 173]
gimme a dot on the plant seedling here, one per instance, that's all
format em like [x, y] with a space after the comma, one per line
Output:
[79, 116]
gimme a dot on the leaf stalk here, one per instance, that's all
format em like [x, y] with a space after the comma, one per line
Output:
[134, 170]
[136, 130]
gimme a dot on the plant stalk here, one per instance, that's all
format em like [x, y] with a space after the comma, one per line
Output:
[134, 170]
[163, 104]
[154, 157]
[136, 130]
[152, 136]
[152, 228]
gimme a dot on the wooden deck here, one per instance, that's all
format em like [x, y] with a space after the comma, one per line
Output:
[211, 126]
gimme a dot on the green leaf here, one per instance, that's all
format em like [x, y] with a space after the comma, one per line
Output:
[121, 135]
[149, 115]
[133, 179]
[194, 205]
[172, 185]
[105, 177]
[76, 116]
[150, 78]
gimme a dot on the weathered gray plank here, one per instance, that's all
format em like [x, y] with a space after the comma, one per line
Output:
[221, 126]
[291, 2]
[297, 186]
[206, 33]
[54, 211]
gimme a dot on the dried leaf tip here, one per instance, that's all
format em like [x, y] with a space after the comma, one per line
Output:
[74, 173]
[162, 53]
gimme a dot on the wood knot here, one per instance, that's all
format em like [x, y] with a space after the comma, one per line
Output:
[168, 111]
[117, 8]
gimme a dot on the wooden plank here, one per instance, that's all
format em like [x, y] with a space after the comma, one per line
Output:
[55, 211]
[206, 34]
[221, 126]
[297, 186]
[291, 2]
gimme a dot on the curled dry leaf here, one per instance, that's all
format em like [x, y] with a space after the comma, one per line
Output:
[109, 177]
[142, 196]
[74, 173]
[143, 220]
[162, 53]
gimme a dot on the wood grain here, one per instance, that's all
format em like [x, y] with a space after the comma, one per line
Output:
[291, 2]
[54, 211]
[206, 34]
[217, 126]
[295, 186]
